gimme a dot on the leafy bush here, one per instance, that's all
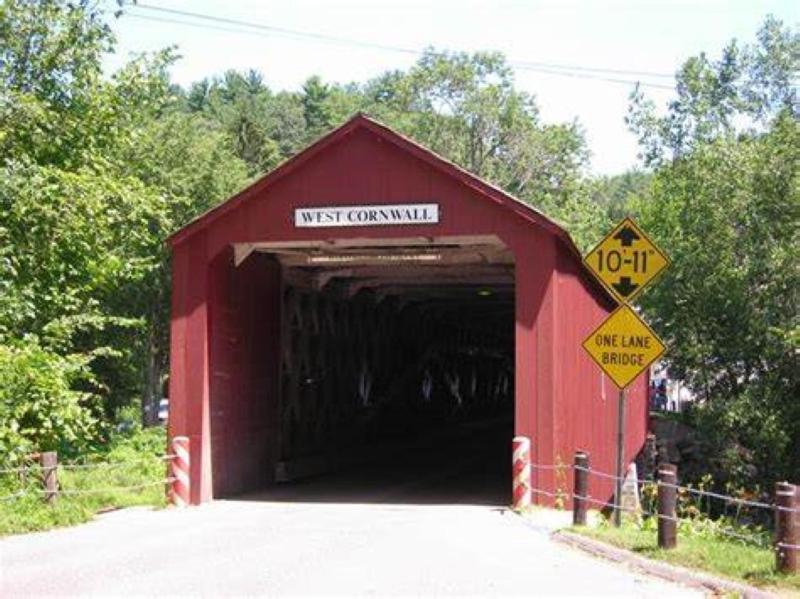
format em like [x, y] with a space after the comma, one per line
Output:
[711, 517]
[127, 471]
[41, 406]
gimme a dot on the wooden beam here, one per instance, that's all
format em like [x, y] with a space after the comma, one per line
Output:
[472, 255]
[443, 279]
[324, 277]
[367, 242]
[408, 270]
[442, 283]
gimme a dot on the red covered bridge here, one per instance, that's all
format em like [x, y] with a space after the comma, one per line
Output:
[368, 292]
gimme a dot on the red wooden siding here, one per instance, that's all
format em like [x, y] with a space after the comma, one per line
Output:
[245, 340]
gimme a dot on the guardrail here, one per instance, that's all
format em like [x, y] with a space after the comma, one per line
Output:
[785, 508]
[46, 472]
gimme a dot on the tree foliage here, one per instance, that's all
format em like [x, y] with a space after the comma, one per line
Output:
[724, 202]
[740, 92]
[42, 406]
[94, 174]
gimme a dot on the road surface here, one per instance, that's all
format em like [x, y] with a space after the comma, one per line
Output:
[383, 531]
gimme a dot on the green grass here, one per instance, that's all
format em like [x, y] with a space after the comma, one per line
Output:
[731, 559]
[136, 461]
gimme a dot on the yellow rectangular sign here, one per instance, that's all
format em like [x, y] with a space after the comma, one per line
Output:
[623, 346]
[626, 260]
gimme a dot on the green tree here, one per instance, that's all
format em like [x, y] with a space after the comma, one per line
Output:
[239, 104]
[53, 415]
[724, 204]
[287, 124]
[466, 108]
[316, 110]
[92, 180]
[265, 128]
[49, 49]
[618, 195]
[741, 92]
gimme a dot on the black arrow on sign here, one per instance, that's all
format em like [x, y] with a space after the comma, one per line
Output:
[626, 236]
[625, 287]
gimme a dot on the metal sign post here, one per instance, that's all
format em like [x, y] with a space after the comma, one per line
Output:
[620, 457]
[623, 346]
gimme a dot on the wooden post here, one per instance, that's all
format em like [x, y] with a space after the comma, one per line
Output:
[787, 528]
[667, 499]
[49, 463]
[581, 488]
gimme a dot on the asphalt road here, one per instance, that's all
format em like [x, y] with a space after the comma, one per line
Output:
[399, 530]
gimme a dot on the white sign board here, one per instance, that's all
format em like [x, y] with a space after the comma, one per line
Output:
[367, 216]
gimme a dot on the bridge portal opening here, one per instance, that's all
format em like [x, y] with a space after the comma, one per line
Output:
[395, 372]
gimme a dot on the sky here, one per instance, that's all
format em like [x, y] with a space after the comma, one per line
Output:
[620, 35]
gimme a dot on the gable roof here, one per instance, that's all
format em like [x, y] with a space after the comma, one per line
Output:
[361, 121]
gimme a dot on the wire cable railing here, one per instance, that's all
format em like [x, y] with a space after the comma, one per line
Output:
[675, 515]
[699, 523]
[688, 489]
[31, 474]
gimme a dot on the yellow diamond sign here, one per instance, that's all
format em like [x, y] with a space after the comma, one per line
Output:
[623, 346]
[626, 260]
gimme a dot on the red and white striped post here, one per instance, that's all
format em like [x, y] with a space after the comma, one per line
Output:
[521, 471]
[179, 472]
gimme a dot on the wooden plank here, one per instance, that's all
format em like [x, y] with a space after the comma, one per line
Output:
[366, 242]
[476, 255]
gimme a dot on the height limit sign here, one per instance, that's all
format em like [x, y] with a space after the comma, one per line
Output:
[626, 260]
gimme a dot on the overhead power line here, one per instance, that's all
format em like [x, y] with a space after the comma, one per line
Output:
[579, 75]
[274, 29]
[596, 69]
[213, 22]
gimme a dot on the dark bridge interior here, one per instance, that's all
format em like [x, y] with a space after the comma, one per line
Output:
[397, 371]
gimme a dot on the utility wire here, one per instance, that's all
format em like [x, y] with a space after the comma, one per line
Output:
[350, 41]
[596, 69]
[274, 29]
[594, 77]
[259, 30]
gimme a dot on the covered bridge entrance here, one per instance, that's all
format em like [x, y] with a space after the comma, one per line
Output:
[369, 298]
